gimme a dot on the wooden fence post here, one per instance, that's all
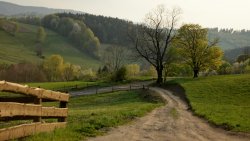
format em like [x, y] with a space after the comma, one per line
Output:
[63, 104]
[37, 101]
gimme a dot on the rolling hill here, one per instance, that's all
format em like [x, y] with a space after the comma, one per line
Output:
[21, 47]
[114, 31]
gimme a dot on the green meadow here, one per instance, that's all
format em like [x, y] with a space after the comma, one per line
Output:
[222, 100]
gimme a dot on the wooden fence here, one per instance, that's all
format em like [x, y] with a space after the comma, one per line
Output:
[29, 107]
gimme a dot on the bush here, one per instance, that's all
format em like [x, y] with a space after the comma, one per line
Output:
[120, 75]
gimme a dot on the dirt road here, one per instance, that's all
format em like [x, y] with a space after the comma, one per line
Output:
[172, 122]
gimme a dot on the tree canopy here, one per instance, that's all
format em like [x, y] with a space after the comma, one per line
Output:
[199, 53]
[155, 35]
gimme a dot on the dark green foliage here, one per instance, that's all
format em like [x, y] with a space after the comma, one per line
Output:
[76, 31]
[109, 30]
[242, 58]
[225, 68]
[120, 74]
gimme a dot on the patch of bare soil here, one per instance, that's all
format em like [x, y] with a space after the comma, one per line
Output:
[172, 122]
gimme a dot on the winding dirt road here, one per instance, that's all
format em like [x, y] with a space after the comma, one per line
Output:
[172, 122]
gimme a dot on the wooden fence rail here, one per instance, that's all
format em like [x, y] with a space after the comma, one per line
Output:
[30, 107]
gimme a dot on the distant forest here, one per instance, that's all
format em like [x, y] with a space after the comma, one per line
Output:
[110, 30]
[115, 31]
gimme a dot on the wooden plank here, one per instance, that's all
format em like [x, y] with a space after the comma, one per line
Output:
[54, 112]
[37, 92]
[48, 94]
[28, 129]
[11, 109]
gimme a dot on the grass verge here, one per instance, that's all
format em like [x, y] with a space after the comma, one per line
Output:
[93, 115]
[222, 100]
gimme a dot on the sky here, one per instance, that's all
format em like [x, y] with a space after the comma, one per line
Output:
[208, 13]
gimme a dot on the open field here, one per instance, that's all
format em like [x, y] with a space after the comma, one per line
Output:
[93, 115]
[222, 100]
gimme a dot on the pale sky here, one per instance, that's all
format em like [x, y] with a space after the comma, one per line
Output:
[208, 13]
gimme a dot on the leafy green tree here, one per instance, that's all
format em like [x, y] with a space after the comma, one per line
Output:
[199, 53]
[225, 68]
[171, 62]
[68, 72]
[54, 66]
[133, 70]
[16, 28]
[41, 35]
[120, 74]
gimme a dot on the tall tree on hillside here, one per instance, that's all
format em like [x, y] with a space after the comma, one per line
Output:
[199, 53]
[41, 35]
[15, 29]
[155, 35]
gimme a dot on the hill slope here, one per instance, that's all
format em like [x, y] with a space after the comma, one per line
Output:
[22, 47]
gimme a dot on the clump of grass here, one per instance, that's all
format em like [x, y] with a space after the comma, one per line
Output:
[174, 113]
[93, 115]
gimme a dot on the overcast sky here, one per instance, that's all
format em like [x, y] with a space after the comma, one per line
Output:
[208, 13]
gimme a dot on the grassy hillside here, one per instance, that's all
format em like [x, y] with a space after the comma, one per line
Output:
[14, 49]
[92, 115]
[223, 100]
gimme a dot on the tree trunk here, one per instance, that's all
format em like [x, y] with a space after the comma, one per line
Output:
[159, 75]
[196, 73]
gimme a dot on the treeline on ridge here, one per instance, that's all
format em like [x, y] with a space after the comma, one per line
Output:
[115, 31]
[108, 30]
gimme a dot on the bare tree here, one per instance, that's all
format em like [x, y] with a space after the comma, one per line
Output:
[155, 35]
[115, 57]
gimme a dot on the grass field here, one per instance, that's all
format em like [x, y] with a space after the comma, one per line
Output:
[60, 85]
[223, 100]
[21, 47]
[93, 115]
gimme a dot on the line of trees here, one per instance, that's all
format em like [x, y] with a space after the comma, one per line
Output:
[158, 34]
[53, 68]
